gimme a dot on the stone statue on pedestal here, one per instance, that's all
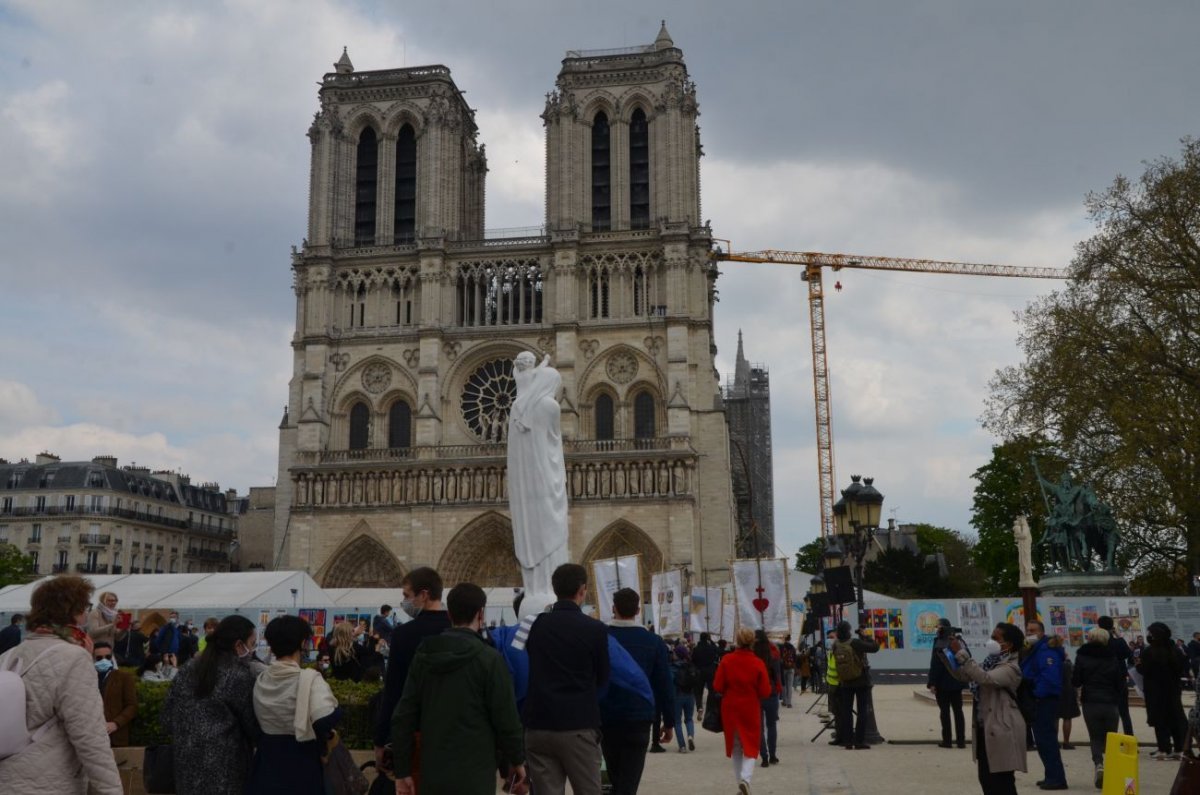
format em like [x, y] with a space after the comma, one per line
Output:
[537, 478]
[1024, 539]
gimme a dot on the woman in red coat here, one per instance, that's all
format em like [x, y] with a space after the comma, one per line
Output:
[743, 683]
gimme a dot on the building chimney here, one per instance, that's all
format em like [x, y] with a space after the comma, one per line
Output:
[47, 458]
[105, 460]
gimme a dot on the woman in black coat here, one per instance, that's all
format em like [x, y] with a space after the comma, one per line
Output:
[1162, 671]
[1102, 677]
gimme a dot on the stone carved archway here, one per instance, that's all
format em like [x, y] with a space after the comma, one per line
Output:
[625, 538]
[363, 563]
[482, 553]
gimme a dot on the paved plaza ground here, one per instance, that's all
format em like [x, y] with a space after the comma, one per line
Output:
[910, 762]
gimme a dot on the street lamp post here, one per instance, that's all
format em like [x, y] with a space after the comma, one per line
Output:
[856, 523]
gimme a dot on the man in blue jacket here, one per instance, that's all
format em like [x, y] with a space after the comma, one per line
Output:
[1043, 667]
[625, 718]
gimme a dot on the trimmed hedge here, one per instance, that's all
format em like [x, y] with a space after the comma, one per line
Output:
[356, 729]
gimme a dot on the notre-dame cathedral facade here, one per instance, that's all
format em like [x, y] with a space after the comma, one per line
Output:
[408, 316]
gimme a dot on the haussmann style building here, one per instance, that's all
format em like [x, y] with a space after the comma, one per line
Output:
[408, 316]
[93, 517]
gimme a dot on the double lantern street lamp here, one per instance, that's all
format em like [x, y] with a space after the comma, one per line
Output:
[855, 519]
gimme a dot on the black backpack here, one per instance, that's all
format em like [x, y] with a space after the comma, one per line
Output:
[687, 676]
[1026, 701]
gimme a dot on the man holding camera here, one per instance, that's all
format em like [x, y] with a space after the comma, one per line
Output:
[945, 687]
[854, 682]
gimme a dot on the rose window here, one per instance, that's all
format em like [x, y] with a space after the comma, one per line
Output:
[486, 399]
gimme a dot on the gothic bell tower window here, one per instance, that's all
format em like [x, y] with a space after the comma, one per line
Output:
[365, 179]
[639, 171]
[399, 425]
[406, 185]
[601, 175]
[643, 415]
[360, 427]
[604, 417]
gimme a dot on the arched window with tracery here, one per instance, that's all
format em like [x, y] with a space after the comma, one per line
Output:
[365, 178]
[400, 425]
[604, 417]
[643, 415]
[360, 426]
[601, 175]
[639, 171]
[406, 185]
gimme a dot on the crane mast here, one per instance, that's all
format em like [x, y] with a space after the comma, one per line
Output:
[813, 263]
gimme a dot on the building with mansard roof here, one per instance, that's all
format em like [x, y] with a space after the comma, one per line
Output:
[93, 517]
[409, 314]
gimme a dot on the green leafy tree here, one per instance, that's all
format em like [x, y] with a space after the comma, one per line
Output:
[808, 558]
[1007, 487]
[901, 574]
[1111, 371]
[15, 567]
[962, 575]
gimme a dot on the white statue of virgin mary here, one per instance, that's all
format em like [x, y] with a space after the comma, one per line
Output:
[537, 478]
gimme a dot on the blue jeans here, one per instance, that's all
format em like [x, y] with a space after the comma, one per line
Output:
[770, 733]
[685, 709]
[1045, 734]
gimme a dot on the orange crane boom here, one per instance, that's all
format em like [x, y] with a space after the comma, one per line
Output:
[813, 262]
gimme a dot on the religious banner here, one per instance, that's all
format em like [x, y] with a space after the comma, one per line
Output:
[611, 575]
[760, 587]
[705, 614]
[666, 593]
[728, 621]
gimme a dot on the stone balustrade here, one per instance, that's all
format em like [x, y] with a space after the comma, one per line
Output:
[596, 470]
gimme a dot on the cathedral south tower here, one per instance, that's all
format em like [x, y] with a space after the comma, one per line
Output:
[409, 314]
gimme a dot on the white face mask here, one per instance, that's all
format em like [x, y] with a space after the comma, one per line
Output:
[992, 647]
[1033, 638]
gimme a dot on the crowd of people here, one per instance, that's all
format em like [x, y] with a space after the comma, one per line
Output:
[558, 698]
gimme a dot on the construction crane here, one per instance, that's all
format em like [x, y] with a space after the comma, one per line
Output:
[814, 262]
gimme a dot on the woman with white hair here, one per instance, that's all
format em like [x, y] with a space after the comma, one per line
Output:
[1102, 677]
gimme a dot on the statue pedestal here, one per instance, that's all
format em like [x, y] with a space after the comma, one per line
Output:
[1084, 583]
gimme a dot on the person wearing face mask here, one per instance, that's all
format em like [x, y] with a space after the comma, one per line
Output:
[1043, 666]
[119, 692]
[70, 752]
[459, 696]
[997, 728]
[10, 636]
[297, 712]
[209, 713]
[167, 640]
[422, 588]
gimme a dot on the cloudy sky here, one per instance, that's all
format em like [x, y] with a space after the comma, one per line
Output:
[153, 174]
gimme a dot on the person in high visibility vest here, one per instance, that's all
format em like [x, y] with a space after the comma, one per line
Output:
[831, 679]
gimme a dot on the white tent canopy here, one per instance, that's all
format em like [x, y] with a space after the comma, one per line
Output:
[263, 590]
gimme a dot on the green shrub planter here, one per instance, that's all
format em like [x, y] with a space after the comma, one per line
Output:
[356, 729]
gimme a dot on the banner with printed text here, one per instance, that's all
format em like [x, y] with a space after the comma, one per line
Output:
[924, 617]
[705, 611]
[975, 620]
[666, 593]
[611, 575]
[1127, 618]
[762, 597]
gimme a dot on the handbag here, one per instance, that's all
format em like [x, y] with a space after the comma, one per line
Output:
[1187, 779]
[712, 713]
[342, 776]
[158, 770]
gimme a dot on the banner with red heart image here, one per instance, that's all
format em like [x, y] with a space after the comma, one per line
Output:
[762, 597]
